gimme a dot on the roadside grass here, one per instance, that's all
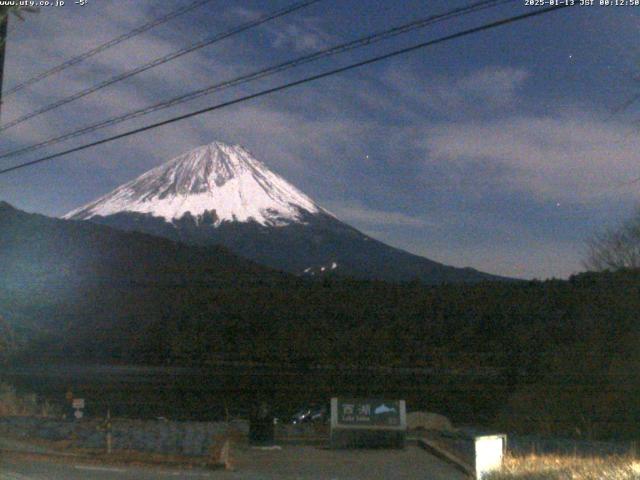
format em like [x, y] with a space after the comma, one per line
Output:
[558, 467]
[13, 403]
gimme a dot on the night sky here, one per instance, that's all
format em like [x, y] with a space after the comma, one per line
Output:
[504, 151]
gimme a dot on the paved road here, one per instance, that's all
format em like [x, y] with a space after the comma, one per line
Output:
[292, 462]
[29, 469]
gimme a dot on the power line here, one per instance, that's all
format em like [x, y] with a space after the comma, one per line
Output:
[471, 31]
[352, 45]
[162, 60]
[101, 48]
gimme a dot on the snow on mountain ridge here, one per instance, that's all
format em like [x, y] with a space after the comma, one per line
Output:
[218, 178]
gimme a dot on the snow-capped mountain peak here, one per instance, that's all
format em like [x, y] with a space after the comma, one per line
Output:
[218, 179]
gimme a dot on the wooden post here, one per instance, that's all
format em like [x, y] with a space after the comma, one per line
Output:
[220, 452]
[224, 456]
[109, 438]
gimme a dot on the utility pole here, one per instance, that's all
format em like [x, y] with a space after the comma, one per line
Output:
[4, 24]
[4, 30]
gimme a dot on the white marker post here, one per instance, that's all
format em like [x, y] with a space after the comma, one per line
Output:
[489, 451]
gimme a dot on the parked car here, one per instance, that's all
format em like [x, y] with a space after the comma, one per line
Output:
[312, 414]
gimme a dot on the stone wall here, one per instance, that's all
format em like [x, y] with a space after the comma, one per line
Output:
[181, 438]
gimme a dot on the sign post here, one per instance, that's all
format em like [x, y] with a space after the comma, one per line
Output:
[261, 425]
[78, 407]
[368, 423]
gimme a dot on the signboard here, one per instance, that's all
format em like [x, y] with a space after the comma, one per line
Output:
[369, 412]
[368, 423]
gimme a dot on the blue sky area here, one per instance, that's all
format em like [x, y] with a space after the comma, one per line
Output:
[503, 151]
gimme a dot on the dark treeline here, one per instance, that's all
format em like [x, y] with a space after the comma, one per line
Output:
[557, 357]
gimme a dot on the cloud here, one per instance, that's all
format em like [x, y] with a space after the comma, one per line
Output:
[300, 33]
[526, 259]
[304, 37]
[497, 85]
[486, 89]
[360, 215]
[576, 158]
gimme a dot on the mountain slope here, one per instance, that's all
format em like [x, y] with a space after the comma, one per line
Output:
[76, 290]
[220, 194]
[37, 249]
[60, 276]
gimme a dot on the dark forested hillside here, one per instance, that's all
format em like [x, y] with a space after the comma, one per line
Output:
[60, 277]
[83, 291]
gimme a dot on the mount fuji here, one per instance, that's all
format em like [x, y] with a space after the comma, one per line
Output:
[221, 194]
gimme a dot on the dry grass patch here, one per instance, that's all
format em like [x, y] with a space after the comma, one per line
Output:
[14, 404]
[557, 467]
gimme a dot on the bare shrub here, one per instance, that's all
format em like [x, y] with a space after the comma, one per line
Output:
[14, 404]
[552, 467]
[617, 248]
